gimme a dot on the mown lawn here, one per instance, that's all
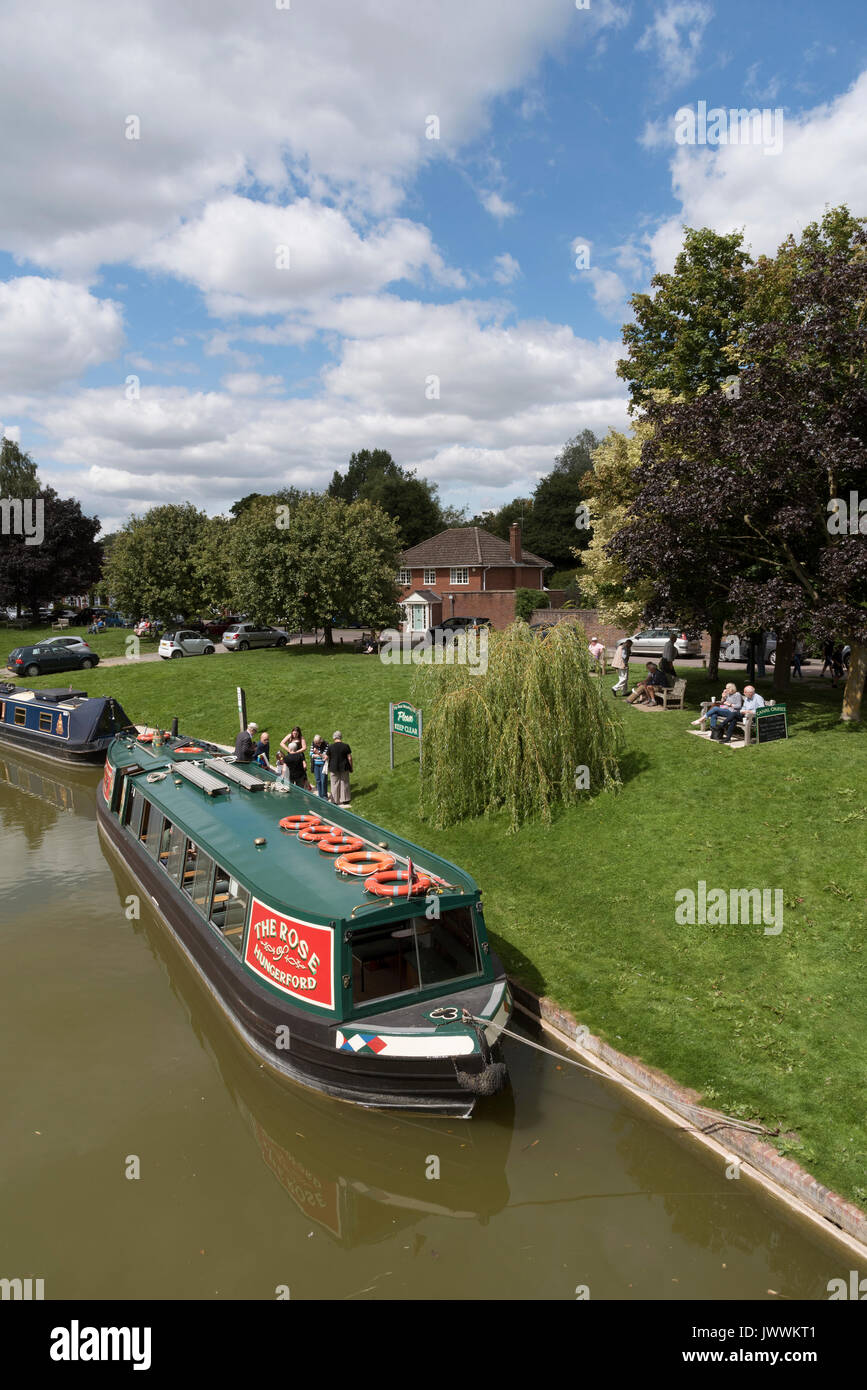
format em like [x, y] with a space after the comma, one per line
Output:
[767, 1027]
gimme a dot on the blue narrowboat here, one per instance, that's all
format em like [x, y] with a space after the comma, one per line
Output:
[62, 724]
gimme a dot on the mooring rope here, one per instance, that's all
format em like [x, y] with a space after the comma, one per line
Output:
[715, 1117]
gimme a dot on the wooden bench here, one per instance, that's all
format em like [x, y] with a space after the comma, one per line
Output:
[673, 697]
[61, 623]
[743, 725]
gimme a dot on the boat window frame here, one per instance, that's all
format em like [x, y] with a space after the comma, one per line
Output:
[153, 831]
[22, 722]
[242, 894]
[204, 907]
[43, 715]
[132, 813]
[421, 990]
[175, 849]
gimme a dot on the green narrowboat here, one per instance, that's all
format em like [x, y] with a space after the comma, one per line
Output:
[346, 958]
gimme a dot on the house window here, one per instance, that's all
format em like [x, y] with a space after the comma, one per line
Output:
[461, 576]
[430, 576]
[404, 576]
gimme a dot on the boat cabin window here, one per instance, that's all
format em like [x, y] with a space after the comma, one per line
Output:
[198, 872]
[229, 908]
[45, 721]
[132, 811]
[20, 714]
[172, 850]
[151, 829]
[414, 955]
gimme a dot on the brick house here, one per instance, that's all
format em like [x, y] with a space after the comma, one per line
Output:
[466, 572]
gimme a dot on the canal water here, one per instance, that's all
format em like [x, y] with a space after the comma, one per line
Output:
[116, 1061]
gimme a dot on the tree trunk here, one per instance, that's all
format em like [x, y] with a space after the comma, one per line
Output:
[713, 659]
[329, 640]
[783, 663]
[760, 657]
[854, 691]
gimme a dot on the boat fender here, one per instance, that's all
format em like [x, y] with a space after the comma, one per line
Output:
[488, 1082]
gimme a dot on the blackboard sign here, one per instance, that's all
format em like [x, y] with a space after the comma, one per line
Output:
[771, 723]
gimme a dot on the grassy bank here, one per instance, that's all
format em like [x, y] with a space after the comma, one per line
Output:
[767, 1027]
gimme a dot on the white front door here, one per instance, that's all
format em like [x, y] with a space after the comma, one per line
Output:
[418, 617]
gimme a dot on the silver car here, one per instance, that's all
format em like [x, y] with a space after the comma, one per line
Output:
[241, 636]
[185, 642]
[652, 640]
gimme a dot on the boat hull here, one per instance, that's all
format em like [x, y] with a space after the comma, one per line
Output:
[27, 741]
[308, 1053]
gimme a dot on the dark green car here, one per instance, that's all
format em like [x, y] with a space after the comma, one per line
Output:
[52, 654]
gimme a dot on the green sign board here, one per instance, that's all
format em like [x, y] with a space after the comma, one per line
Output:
[404, 719]
[771, 723]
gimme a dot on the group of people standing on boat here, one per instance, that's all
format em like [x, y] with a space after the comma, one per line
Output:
[330, 763]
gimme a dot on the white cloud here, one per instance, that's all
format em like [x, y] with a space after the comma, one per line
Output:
[675, 36]
[610, 293]
[52, 331]
[823, 162]
[510, 394]
[327, 98]
[507, 269]
[498, 207]
[255, 258]
[252, 384]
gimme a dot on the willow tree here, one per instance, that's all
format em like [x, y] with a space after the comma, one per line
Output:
[530, 732]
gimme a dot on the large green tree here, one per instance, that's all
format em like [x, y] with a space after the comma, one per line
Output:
[151, 569]
[683, 335]
[550, 529]
[333, 559]
[373, 476]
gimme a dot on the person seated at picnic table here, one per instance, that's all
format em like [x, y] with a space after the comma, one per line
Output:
[727, 709]
[646, 691]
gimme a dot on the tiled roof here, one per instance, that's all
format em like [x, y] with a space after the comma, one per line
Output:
[465, 545]
[427, 594]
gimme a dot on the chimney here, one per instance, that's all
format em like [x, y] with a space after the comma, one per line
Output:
[515, 546]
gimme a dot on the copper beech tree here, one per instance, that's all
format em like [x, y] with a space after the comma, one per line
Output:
[738, 487]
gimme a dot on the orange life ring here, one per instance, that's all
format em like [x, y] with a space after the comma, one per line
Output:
[293, 823]
[145, 738]
[394, 883]
[314, 833]
[365, 862]
[340, 842]
[188, 748]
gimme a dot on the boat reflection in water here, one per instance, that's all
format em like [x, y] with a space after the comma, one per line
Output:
[359, 1174]
[66, 788]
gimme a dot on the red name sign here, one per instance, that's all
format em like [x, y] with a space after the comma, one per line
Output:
[108, 781]
[296, 957]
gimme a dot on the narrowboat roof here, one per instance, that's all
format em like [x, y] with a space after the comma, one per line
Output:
[284, 872]
[85, 711]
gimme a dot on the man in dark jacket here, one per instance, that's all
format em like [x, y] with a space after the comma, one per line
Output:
[245, 745]
[339, 768]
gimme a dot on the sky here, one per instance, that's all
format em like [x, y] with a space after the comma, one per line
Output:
[241, 239]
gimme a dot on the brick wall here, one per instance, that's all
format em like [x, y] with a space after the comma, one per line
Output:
[588, 619]
[496, 604]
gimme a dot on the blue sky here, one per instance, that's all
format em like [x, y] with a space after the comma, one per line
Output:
[409, 258]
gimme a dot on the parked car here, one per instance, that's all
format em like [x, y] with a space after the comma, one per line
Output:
[53, 654]
[652, 640]
[735, 648]
[217, 626]
[185, 642]
[455, 625]
[241, 636]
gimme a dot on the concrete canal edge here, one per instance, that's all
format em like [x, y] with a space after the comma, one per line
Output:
[782, 1177]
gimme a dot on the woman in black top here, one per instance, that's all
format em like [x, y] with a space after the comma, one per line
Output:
[297, 765]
